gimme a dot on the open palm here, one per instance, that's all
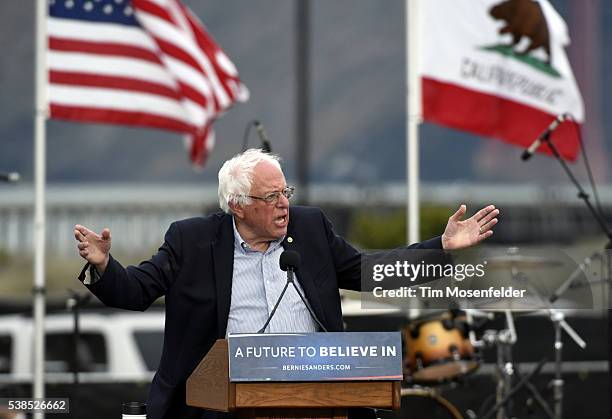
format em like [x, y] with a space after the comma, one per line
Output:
[460, 234]
[93, 247]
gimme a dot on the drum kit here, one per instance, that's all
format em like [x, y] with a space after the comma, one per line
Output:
[444, 347]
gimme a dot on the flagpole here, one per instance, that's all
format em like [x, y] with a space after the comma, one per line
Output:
[413, 117]
[40, 115]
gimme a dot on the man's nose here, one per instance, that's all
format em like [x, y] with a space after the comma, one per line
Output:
[282, 202]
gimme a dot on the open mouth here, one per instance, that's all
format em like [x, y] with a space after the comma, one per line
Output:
[281, 221]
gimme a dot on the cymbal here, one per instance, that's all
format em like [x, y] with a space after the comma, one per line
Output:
[525, 305]
[520, 261]
[353, 307]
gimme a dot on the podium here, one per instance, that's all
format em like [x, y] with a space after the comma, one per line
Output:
[209, 387]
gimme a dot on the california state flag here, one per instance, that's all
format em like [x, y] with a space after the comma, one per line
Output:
[498, 68]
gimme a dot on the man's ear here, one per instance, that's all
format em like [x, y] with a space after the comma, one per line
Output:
[237, 210]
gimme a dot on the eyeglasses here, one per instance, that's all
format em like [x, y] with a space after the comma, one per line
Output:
[273, 197]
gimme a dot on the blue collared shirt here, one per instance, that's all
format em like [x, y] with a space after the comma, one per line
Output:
[257, 283]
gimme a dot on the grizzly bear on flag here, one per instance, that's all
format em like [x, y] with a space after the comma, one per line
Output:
[524, 18]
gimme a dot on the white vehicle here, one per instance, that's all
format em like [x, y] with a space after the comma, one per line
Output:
[118, 353]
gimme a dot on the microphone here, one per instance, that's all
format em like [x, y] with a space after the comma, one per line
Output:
[289, 262]
[9, 177]
[263, 136]
[544, 136]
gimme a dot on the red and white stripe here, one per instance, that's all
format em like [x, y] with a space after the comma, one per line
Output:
[168, 74]
[516, 123]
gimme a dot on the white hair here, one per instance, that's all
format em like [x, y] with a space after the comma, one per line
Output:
[236, 176]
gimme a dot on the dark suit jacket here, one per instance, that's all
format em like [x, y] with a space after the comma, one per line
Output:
[193, 269]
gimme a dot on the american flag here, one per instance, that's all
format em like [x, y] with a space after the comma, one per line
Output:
[139, 62]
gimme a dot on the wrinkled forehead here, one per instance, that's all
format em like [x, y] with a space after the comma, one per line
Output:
[267, 178]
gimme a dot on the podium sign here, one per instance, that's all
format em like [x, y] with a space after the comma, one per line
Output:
[330, 356]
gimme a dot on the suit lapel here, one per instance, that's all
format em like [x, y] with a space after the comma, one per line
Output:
[305, 275]
[223, 259]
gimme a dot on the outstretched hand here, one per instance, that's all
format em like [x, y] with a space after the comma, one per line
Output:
[460, 234]
[93, 247]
